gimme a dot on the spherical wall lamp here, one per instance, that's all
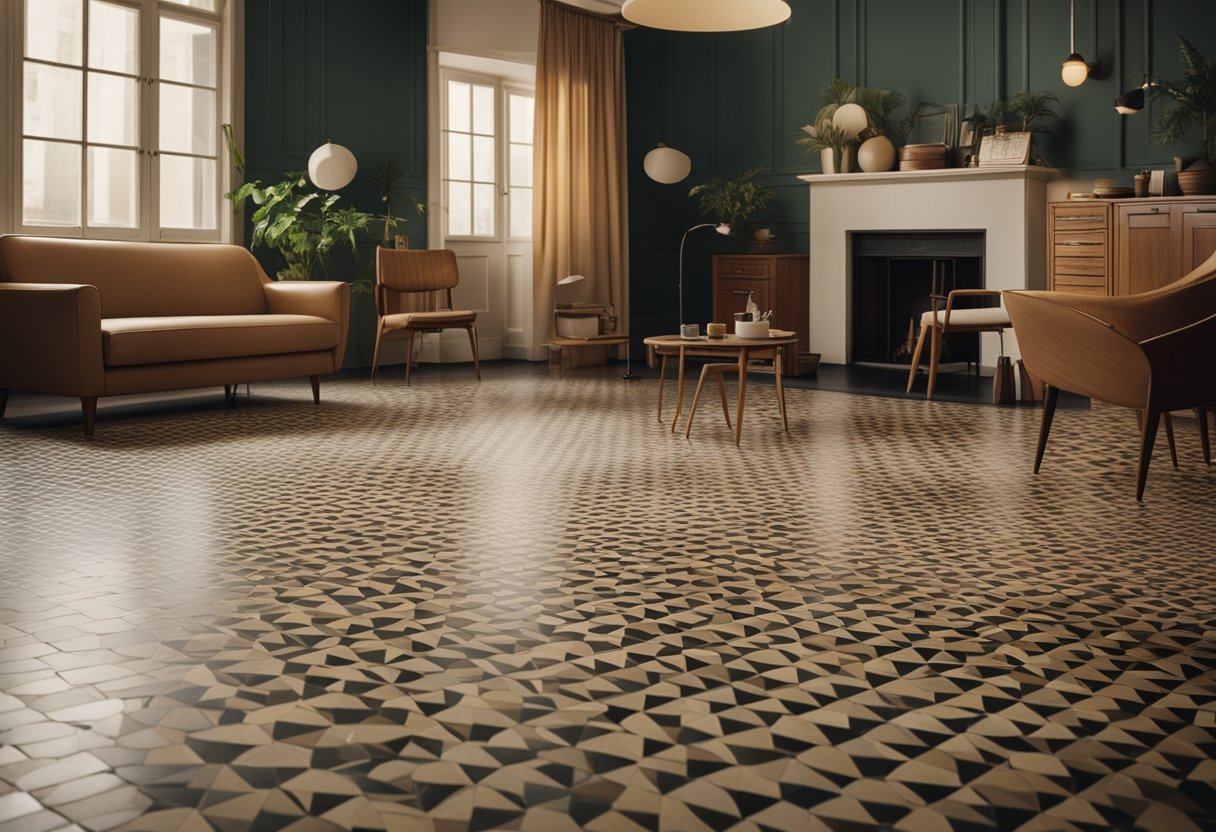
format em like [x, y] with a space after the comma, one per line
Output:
[666, 165]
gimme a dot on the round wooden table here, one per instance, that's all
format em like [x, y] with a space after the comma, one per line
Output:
[743, 349]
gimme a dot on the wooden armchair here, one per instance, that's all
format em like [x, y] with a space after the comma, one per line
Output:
[944, 318]
[1154, 352]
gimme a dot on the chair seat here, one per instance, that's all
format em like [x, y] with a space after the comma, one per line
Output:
[421, 320]
[986, 317]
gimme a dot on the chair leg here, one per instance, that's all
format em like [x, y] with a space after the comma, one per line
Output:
[88, 408]
[1201, 413]
[742, 396]
[920, 346]
[662, 376]
[1050, 395]
[935, 351]
[4, 391]
[316, 388]
[692, 411]
[1169, 437]
[778, 372]
[1147, 439]
[472, 330]
[376, 354]
[409, 355]
[722, 397]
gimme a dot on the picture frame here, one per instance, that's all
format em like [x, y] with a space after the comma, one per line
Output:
[1005, 149]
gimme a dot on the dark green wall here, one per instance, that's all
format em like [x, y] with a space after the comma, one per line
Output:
[733, 101]
[350, 71]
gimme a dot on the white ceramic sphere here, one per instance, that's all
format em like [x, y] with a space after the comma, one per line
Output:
[666, 165]
[331, 166]
[850, 118]
[876, 155]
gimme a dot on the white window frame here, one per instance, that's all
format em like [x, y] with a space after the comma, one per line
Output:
[513, 88]
[227, 20]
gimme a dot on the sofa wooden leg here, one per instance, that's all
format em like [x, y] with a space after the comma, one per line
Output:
[4, 391]
[88, 408]
[316, 388]
[1050, 396]
[1147, 439]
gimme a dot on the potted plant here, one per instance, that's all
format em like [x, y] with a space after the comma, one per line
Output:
[387, 178]
[1022, 112]
[733, 201]
[1192, 103]
[852, 116]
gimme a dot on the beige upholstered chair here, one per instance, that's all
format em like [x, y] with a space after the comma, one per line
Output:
[1154, 352]
[940, 321]
[411, 285]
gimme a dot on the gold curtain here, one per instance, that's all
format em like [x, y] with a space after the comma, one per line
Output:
[580, 208]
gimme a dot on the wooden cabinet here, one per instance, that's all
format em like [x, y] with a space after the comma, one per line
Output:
[780, 282]
[1127, 246]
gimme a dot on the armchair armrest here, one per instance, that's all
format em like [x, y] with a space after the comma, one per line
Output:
[50, 339]
[327, 299]
[1139, 317]
[1184, 365]
[1077, 352]
[964, 293]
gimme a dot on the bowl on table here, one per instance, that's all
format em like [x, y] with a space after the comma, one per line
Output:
[751, 329]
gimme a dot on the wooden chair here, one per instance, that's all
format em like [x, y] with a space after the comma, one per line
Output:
[940, 321]
[1154, 352]
[409, 284]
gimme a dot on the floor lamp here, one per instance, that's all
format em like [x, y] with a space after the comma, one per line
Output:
[723, 229]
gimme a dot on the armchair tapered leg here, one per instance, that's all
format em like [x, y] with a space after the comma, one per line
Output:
[376, 354]
[4, 391]
[316, 388]
[1169, 436]
[1050, 396]
[920, 346]
[409, 355]
[472, 330]
[88, 408]
[230, 395]
[1201, 413]
[1147, 439]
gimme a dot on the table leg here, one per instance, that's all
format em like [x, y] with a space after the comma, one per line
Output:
[780, 390]
[696, 399]
[679, 392]
[742, 395]
[662, 375]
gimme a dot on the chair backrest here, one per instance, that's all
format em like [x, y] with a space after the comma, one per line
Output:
[414, 280]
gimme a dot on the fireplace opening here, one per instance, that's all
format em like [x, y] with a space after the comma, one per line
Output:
[894, 275]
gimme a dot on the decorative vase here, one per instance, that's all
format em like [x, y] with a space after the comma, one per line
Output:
[876, 155]
[1196, 180]
[828, 160]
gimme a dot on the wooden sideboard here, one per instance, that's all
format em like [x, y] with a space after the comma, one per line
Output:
[1127, 246]
[780, 282]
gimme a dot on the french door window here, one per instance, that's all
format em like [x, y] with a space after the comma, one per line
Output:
[120, 112]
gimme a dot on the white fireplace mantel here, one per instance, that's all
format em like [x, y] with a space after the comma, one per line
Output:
[1007, 204]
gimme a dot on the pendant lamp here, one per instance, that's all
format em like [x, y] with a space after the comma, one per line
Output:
[1074, 70]
[706, 15]
[666, 165]
[332, 167]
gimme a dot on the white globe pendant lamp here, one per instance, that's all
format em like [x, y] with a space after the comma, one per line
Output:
[331, 167]
[706, 15]
[1074, 70]
[666, 165]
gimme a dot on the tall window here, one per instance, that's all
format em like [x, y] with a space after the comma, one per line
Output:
[521, 109]
[120, 118]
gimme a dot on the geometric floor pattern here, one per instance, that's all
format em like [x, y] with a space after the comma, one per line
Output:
[526, 604]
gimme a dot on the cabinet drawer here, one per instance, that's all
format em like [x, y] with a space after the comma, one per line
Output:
[1095, 266]
[1095, 288]
[1067, 219]
[745, 268]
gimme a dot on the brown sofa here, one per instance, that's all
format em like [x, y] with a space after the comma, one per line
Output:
[93, 318]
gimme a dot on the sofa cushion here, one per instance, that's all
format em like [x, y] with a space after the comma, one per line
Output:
[132, 341]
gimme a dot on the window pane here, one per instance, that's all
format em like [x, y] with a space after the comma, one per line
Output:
[521, 212]
[459, 209]
[458, 106]
[187, 120]
[483, 159]
[50, 183]
[187, 192]
[187, 52]
[53, 101]
[113, 37]
[113, 187]
[521, 165]
[483, 210]
[483, 110]
[458, 156]
[209, 5]
[113, 109]
[54, 30]
[522, 116]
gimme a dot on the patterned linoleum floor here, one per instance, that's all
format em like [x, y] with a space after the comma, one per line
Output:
[528, 605]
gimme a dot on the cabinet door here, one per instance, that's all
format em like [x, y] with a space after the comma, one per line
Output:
[1148, 248]
[731, 296]
[1198, 235]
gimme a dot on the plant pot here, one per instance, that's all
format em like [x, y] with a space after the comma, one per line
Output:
[1196, 180]
[833, 163]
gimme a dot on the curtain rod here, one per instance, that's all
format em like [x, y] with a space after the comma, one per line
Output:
[615, 19]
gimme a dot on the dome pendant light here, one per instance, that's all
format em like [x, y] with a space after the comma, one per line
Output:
[1074, 70]
[706, 15]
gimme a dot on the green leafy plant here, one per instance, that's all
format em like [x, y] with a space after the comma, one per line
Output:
[1192, 102]
[1021, 112]
[824, 136]
[296, 220]
[733, 201]
[388, 179]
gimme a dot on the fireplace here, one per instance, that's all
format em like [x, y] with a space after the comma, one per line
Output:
[894, 275]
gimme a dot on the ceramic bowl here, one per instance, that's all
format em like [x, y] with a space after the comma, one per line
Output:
[751, 329]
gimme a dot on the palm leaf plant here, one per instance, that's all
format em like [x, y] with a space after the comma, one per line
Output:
[1192, 102]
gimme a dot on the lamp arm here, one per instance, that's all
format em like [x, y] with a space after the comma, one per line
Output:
[680, 284]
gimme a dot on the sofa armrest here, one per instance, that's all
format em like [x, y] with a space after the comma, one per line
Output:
[50, 339]
[328, 299]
